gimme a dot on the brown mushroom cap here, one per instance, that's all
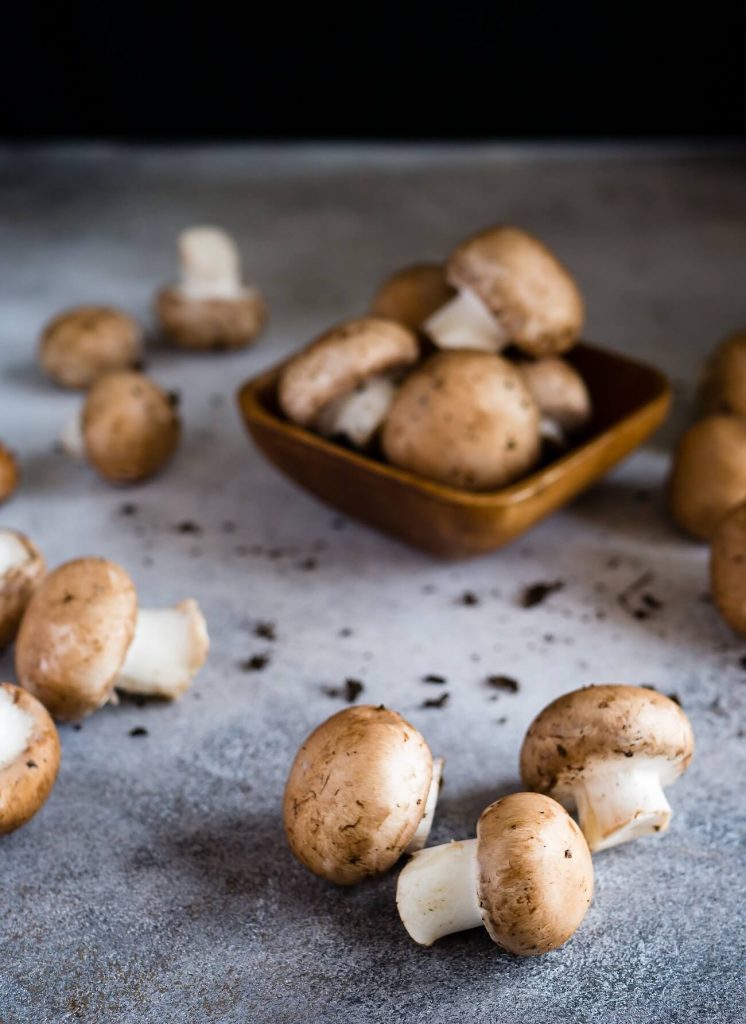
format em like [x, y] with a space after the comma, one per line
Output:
[728, 568]
[599, 724]
[80, 345]
[75, 635]
[356, 793]
[535, 873]
[559, 391]
[724, 382]
[708, 476]
[131, 427]
[339, 360]
[524, 285]
[210, 325]
[8, 474]
[18, 580]
[412, 294]
[465, 419]
[26, 782]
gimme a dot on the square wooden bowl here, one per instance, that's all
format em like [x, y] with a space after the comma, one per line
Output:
[630, 401]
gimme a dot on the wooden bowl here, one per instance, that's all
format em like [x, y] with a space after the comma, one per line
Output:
[630, 401]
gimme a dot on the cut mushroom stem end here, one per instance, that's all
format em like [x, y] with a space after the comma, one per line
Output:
[616, 806]
[437, 892]
[419, 839]
[466, 322]
[169, 647]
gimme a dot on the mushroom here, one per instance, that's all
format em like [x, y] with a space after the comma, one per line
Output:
[210, 308]
[362, 790]
[8, 473]
[708, 476]
[29, 756]
[80, 345]
[561, 395]
[411, 295]
[609, 751]
[465, 419]
[83, 636]
[21, 570]
[728, 568]
[128, 429]
[344, 381]
[511, 289]
[723, 386]
[527, 877]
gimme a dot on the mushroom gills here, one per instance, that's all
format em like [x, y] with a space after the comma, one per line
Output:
[169, 647]
[620, 804]
[71, 437]
[210, 265]
[437, 892]
[13, 552]
[358, 414]
[420, 837]
[16, 726]
[466, 322]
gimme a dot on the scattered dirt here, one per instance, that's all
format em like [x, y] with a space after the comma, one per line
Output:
[506, 684]
[468, 598]
[256, 663]
[266, 630]
[350, 691]
[433, 677]
[537, 593]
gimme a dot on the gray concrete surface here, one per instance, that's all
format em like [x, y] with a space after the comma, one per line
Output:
[156, 886]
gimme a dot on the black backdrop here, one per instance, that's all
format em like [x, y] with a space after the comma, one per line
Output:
[388, 70]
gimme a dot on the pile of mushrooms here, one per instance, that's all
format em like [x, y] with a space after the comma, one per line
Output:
[473, 415]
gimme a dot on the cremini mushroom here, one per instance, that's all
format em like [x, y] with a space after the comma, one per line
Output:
[728, 568]
[362, 790]
[21, 570]
[344, 381]
[83, 636]
[527, 877]
[561, 395]
[708, 476]
[80, 345]
[8, 473]
[466, 419]
[609, 751]
[29, 756]
[210, 308]
[411, 295]
[511, 289]
[723, 386]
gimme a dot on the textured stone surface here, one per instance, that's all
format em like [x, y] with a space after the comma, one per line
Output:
[156, 886]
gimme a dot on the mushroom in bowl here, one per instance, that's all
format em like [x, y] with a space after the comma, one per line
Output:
[22, 568]
[8, 473]
[29, 756]
[80, 345]
[411, 295]
[562, 397]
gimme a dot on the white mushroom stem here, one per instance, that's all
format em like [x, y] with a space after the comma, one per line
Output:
[551, 431]
[210, 265]
[13, 552]
[620, 804]
[437, 892]
[359, 414]
[466, 322]
[169, 647]
[71, 437]
[423, 829]
[16, 726]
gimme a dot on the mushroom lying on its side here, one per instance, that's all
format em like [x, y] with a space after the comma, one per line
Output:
[561, 395]
[362, 790]
[728, 568]
[83, 636]
[21, 570]
[29, 756]
[511, 289]
[723, 386]
[8, 473]
[411, 295]
[82, 344]
[527, 877]
[343, 383]
[210, 308]
[609, 751]
[465, 419]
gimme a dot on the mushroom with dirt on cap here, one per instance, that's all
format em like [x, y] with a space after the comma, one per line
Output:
[728, 569]
[510, 290]
[527, 877]
[343, 383]
[466, 419]
[83, 636]
[561, 395]
[22, 568]
[29, 756]
[211, 308]
[608, 751]
[411, 295]
[361, 792]
[8, 473]
[82, 344]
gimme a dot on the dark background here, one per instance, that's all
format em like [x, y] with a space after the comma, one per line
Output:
[385, 71]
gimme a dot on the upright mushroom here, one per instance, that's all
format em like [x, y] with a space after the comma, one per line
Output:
[466, 419]
[527, 877]
[362, 790]
[21, 570]
[723, 386]
[83, 636]
[29, 756]
[210, 308]
[8, 473]
[728, 568]
[561, 395]
[343, 383]
[511, 289]
[80, 345]
[609, 751]
[411, 295]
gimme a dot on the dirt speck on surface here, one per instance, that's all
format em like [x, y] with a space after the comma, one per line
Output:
[536, 593]
[188, 526]
[350, 691]
[255, 663]
[433, 677]
[436, 702]
[139, 730]
[506, 684]
[266, 630]
[469, 599]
